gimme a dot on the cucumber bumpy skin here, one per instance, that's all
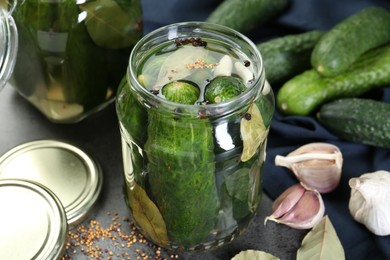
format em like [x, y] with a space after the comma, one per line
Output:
[245, 15]
[181, 169]
[181, 91]
[223, 88]
[345, 42]
[287, 56]
[304, 93]
[358, 120]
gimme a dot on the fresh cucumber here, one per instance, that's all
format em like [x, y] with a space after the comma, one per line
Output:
[359, 120]
[345, 42]
[304, 93]
[287, 56]
[245, 15]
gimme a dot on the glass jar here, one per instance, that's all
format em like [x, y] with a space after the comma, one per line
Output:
[72, 54]
[9, 41]
[193, 172]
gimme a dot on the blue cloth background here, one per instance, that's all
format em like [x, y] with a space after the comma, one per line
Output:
[289, 132]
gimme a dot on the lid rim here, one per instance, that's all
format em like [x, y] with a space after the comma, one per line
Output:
[53, 246]
[77, 203]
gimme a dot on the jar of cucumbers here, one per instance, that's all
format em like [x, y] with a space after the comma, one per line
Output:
[72, 54]
[194, 112]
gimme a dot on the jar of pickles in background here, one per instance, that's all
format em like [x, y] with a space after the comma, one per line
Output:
[8, 41]
[72, 54]
[194, 113]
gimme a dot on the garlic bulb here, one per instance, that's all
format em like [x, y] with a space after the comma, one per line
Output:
[369, 202]
[318, 165]
[298, 207]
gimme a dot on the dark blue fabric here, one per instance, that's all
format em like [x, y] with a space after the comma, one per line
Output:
[289, 132]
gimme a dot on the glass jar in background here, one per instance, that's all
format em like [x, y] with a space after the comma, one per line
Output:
[8, 41]
[193, 171]
[72, 54]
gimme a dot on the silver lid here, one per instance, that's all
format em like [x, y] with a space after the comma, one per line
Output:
[66, 170]
[32, 222]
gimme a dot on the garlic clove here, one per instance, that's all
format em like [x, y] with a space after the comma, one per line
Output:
[298, 207]
[369, 202]
[318, 165]
[287, 200]
[244, 72]
[225, 66]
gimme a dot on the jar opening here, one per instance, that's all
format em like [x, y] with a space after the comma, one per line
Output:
[207, 32]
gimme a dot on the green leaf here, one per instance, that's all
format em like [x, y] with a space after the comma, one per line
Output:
[253, 132]
[147, 215]
[321, 242]
[237, 184]
[110, 26]
[254, 254]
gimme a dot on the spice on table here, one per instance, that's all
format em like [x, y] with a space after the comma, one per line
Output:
[119, 240]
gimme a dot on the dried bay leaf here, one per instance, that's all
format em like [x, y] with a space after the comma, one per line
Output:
[175, 65]
[110, 26]
[253, 132]
[321, 242]
[147, 215]
[254, 255]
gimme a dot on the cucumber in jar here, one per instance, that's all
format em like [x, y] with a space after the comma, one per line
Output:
[82, 59]
[181, 169]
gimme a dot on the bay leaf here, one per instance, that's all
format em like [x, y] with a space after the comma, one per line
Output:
[147, 215]
[110, 26]
[321, 242]
[253, 132]
[174, 66]
[237, 184]
[254, 255]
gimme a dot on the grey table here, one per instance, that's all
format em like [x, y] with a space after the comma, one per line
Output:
[98, 135]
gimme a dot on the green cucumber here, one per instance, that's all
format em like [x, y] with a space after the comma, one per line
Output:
[181, 169]
[306, 92]
[131, 113]
[181, 91]
[245, 15]
[82, 60]
[359, 120]
[287, 56]
[345, 42]
[223, 88]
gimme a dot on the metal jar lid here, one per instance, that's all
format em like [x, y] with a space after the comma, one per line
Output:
[73, 176]
[32, 222]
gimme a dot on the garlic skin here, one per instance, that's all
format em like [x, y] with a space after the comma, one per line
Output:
[369, 202]
[317, 165]
[298, 207]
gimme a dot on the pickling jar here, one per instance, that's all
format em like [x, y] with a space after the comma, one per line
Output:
[9, 41]
[72, 54]
[193, 172]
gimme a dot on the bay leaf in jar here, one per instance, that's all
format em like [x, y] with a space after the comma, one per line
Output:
[112, 27]
[147, 215]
